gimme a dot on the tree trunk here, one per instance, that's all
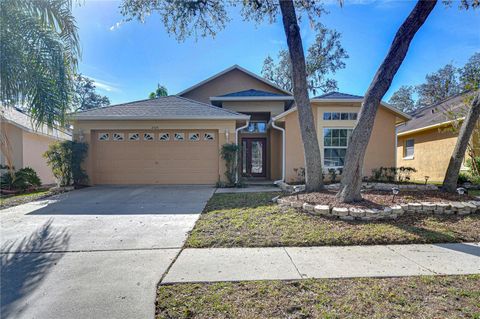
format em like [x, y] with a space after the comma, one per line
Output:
[352, 171]
[468, 125]
[313, 158]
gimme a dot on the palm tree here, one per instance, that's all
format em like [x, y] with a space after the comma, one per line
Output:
[39, 49]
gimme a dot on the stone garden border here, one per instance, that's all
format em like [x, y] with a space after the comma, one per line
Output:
[366, 185]
[389, 212]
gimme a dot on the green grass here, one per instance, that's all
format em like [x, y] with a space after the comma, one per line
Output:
[252, 220]
[23, 198]
[408, 297]
[474, 192]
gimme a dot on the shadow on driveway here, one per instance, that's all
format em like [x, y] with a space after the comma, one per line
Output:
[25, 264]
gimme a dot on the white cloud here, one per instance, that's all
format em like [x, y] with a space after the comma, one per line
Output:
[116, 26]
[104, 85]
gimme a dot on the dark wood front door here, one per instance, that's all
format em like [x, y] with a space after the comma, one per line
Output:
[254, 161]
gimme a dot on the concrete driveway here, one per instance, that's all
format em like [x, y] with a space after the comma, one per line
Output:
[94, 253]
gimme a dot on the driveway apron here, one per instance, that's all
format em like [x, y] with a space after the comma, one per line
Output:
[94, 253]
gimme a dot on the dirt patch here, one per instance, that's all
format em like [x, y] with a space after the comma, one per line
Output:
[379, 199]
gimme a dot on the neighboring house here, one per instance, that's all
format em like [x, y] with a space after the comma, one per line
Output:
[26, 143]
[177, 139]
[427, 141]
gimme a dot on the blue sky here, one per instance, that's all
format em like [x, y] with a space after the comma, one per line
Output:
[127, 60]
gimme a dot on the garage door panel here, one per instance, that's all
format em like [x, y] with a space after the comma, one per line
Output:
[155, 161]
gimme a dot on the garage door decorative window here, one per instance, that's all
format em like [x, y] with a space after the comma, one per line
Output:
[209, 137]
[164, 137]
[194, 137]
[148, 136]
[134, 136]
[103, 136]
[179, 136]
[118, 136]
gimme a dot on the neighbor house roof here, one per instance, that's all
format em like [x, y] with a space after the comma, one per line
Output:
[252, 95]
[164, 108]
[23, 121]
[233, 67]
[344, 97]
[433, 116]
[337, 96]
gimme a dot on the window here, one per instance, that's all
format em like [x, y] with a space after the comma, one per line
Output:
[408, 148]
[118, 136]
[133, 136]
[339, 116]
[194, 137]
[148, 136]
[179, 136]
[335, 142]
[103, 136]
[209, 136]
[164, 137]
[256, 127]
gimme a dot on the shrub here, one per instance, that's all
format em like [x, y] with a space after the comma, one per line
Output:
[229, 154]
[390, 174]
[65, 159]
[23, 179]
[474, 165]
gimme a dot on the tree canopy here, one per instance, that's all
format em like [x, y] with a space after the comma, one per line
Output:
[438, 86]
[39, 48]
[324, 57]
[159, 92]
[85, 96]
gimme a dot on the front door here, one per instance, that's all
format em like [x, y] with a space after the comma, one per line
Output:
[254, 157]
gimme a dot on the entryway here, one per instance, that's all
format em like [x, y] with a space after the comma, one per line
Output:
[254, 161]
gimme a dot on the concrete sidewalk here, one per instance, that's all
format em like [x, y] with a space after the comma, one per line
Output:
[236, 264]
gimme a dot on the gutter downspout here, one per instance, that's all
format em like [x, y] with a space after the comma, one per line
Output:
[236, 142]
[283, 151]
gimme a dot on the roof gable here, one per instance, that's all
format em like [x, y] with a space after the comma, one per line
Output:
[338, 95]
[252, 92]
[230, 80]
[164, 108]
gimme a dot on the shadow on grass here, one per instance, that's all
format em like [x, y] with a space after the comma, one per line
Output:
[25, 263]
[239, 200]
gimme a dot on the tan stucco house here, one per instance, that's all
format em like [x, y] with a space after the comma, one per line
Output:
[177, 139]
[426, 142]
[26, 143]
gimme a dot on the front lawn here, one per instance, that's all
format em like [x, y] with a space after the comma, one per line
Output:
[408, 297]
[252, 220]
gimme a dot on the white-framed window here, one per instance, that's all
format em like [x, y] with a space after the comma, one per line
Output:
[209, 136]
[408, 148]
[148, 137]
[164, 136]
[335, 143]
[340, 116]
[133, 136]
[118, 136]
[256, 127]
[179, 136]
[103, 136]
[193, 137]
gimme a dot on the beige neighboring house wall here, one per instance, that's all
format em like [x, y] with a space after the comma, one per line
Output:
[273, 107]
[432, 151]
[29, 143]
[196, 155]
[380, 150]
[231, 81]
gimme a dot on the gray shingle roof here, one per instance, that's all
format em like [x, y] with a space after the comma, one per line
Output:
[251, 92]
[24, 121]
[164, 108]
[338, 95]
[433, 114]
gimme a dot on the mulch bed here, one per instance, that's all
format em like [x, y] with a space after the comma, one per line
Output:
[379, 199]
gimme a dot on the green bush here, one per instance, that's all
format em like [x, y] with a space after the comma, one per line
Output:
[65, 159]
[229, 154]
[390, 174]
[23, 179]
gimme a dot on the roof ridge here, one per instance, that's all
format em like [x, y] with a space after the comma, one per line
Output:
[209, 105]
[119, 104]
[423, 108]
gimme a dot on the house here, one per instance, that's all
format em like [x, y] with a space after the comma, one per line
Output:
[177, 139]
[426, 142]
[24, 143]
